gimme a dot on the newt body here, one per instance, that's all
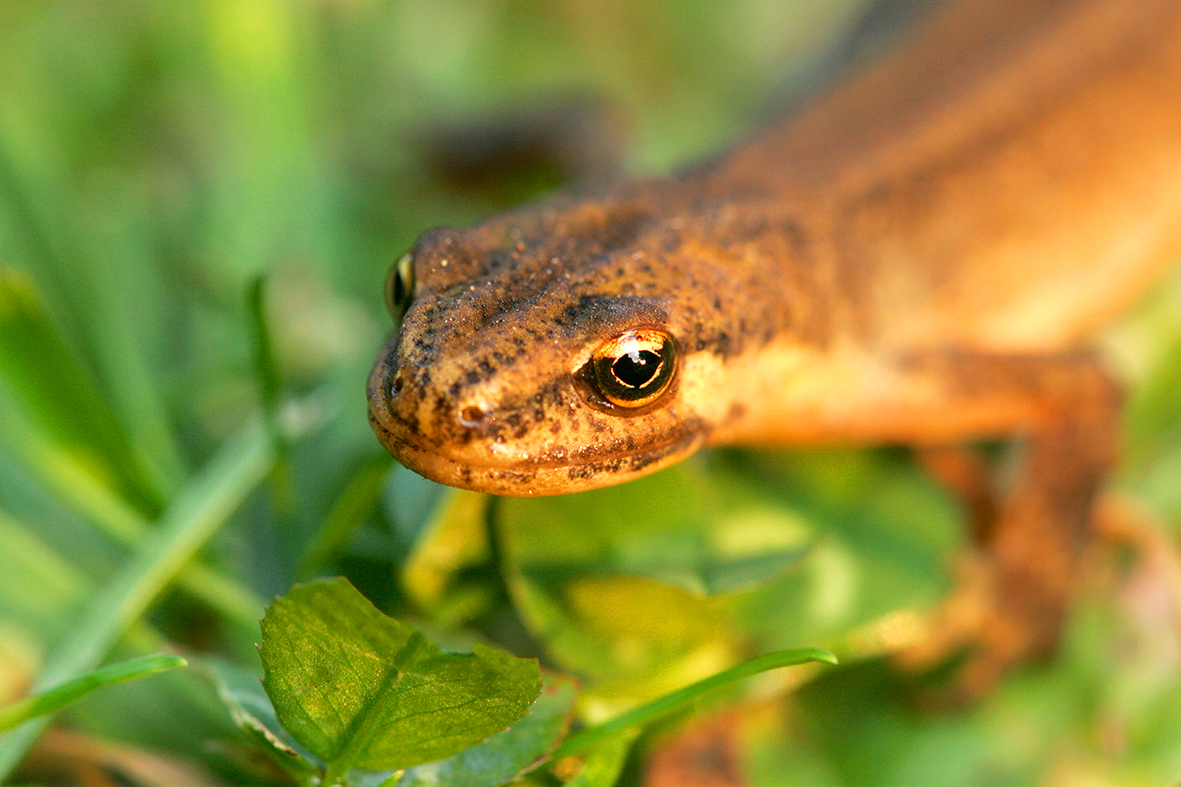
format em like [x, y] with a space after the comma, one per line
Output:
[919, 255]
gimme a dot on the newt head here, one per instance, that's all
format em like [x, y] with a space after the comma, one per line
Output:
[543, 352]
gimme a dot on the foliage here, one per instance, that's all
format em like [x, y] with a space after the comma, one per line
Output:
[360, 690]
[198, 205]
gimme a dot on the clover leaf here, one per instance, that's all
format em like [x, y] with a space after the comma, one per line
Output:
[361, 690]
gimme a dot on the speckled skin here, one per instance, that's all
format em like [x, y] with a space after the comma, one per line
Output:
[998, 187]
[918, 255]
[492, 292]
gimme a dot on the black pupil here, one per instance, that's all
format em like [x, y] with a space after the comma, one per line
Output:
[636, 368]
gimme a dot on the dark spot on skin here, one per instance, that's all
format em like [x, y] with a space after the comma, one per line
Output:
[635, 462]
[540, 284]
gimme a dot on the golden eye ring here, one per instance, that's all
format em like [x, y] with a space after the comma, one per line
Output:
[636, 367]
[399, 287]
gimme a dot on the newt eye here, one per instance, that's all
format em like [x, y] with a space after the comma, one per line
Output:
[399, 287]
[636, 367]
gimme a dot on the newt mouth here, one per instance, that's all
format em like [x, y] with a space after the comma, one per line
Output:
[537, 476]
[499, 468]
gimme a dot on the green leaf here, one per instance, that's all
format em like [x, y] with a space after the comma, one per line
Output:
[361, 690]
[58, 697]
[694, 526]
[622, 628]
[250, 708]
[626, 583]
[887, 535]
[505, 756]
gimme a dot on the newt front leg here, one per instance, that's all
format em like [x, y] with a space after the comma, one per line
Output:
[1026, 545]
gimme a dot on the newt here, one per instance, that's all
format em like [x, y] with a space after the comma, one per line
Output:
[921, 254]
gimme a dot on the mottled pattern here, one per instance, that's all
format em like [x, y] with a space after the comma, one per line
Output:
[490, 366]
[916, 257]
[997, 188]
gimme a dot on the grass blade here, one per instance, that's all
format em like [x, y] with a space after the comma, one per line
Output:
[646, 714]
[58, 697]
[190, 520]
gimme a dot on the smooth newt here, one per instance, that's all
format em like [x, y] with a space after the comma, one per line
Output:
[918, 255]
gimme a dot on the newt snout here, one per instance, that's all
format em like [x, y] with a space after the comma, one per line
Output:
[530, 397]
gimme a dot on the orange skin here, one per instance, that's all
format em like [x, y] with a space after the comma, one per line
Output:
[918, 255]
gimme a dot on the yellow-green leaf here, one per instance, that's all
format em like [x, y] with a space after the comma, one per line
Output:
[361, 690]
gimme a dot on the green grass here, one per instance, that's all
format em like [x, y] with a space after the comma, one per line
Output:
[198, 205]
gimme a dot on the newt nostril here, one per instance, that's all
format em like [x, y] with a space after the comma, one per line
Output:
[471, 416]
[397, 384]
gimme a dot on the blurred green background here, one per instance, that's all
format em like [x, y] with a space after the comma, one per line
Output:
[198, 205]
